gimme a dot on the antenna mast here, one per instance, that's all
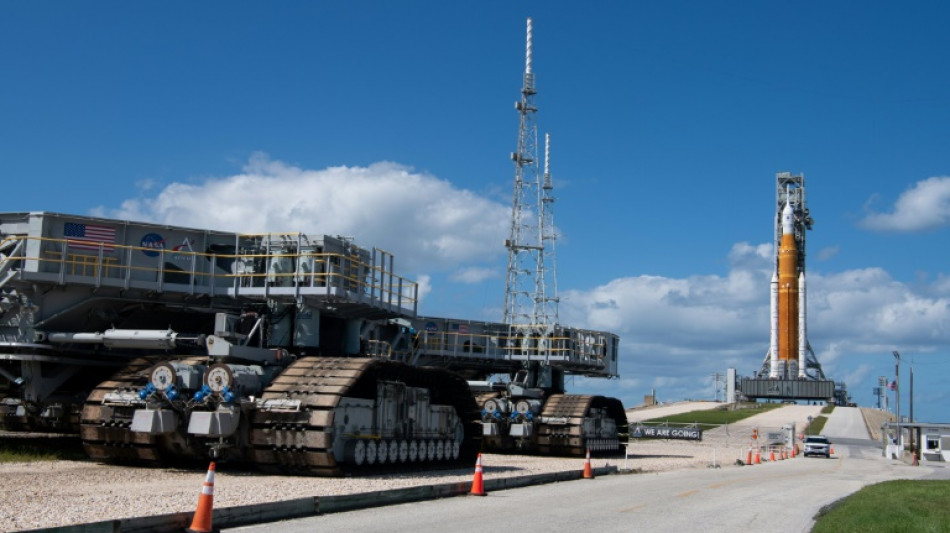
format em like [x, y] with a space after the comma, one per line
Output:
[547, 267]
[531, 286]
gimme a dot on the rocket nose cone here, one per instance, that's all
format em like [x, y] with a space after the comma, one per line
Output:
[788, 216]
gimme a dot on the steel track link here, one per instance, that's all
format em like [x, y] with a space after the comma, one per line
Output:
[300, 442]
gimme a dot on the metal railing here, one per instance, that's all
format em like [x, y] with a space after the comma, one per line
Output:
[503, 347]
[199, 272]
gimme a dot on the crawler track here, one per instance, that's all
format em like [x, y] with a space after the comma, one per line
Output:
[106, 429]
[563, 432]
[300, 442]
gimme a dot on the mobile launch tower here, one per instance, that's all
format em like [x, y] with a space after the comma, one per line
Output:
[790, 369]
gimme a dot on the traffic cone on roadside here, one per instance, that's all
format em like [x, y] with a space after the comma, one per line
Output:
[202, 520]
[793, 451]
[588, 473]
[478, 484]
[772, 455]
[831, 450]
[758, 457]
[748, 459]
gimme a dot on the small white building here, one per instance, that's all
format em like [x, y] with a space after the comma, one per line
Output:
[935, 444]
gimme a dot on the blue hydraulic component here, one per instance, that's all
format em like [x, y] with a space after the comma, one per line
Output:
[171, 392]
[204, 392]
[497, 414]
[227, 394]
[147, 391]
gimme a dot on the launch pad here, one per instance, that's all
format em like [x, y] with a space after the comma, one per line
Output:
[788, 389]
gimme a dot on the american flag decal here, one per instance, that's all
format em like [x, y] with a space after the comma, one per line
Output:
[89, 236]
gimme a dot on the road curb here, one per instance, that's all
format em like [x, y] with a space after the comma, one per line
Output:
[245, 515]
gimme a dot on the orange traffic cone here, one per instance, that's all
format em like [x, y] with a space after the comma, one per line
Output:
[772, 455]
[758, 457]
[793, 451]
[588, 473]
[202, 521]
[831, 450]
[748, 459]
[478, 485]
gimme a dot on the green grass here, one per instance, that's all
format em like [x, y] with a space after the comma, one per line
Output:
[716, 417]
[816, 425]
[826, 410]
[28, 449]
[892, 506]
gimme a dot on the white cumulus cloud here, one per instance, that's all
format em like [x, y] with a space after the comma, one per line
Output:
[474, 274]
[924, 206]
[426, 222]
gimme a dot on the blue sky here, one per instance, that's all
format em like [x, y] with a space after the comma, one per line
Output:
[392, 122]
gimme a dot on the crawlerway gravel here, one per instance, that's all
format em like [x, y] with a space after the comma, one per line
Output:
[47, 494]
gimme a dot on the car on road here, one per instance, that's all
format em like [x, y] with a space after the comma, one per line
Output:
[817, 445]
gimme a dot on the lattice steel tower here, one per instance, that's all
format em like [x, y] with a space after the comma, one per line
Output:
[531, 286]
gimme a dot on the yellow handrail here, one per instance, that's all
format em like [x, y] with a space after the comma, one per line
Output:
[86, 263]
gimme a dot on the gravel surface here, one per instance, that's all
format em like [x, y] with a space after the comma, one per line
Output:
[48, 494]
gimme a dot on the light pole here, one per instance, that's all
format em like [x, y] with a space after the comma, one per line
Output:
[897, 391]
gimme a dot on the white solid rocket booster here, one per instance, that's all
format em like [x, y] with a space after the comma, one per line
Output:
[773, 330]
[802, 330]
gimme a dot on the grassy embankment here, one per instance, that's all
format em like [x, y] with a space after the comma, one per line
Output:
[716, 417]
[891, 506]
[818, 423]
[25, 449]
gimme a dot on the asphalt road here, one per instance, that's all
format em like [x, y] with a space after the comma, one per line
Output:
[846, 423]
[781, 496]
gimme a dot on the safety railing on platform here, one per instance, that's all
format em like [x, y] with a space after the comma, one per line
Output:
[590, 352]
[208, 273]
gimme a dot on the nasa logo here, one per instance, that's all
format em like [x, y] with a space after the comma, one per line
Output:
[183, 251]
[151, 244]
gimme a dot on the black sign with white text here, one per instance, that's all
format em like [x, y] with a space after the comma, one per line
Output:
[653, 432]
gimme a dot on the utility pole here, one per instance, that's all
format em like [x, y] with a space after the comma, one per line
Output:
[911, 389]
[897, 391]
[914, 430]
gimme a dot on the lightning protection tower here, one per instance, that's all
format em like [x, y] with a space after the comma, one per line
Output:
[531, 287]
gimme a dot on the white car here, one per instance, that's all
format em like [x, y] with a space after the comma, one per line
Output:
[817, 445]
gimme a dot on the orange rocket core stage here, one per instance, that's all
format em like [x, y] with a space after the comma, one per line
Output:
[788, 299]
